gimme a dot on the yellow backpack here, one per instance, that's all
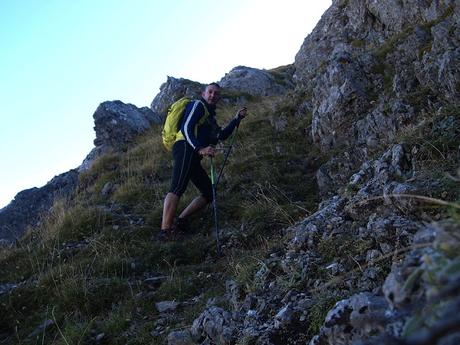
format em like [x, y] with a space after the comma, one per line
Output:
[171, 130]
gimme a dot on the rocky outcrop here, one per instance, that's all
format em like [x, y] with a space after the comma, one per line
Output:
[116, 125]
[171, 91]
[28, 206]
[237, 84]
[256, 82]
[372, 67]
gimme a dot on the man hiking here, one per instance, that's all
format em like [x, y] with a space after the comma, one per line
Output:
[199, 130]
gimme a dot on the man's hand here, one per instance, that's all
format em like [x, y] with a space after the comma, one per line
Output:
[207, 151]
[241, 113]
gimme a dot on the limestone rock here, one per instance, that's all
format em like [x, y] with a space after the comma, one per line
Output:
[28, 205]
[166, 306]
[370, 67]
[355, 318]
[171, 91]
[117, 123]
[216, 326]
[253, 81]
[180, 338]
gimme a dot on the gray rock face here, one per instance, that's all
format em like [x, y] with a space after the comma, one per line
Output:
[116, 125]
[251, 81]
[28, 205]
[171, 91]
[254, 82]
[372, 66]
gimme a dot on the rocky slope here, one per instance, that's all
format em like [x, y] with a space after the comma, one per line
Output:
[375, 87]
[370, 73]
[371, 69]
[117, 125]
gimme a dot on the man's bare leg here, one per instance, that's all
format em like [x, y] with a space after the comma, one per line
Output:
[197, 204]
[169, 209]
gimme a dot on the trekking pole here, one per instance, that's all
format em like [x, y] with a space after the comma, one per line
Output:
[226, 156]
[214, 205]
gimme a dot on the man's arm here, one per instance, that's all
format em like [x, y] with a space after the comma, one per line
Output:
[235, 122]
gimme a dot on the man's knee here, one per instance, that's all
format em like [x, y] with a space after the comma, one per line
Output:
[176, 193]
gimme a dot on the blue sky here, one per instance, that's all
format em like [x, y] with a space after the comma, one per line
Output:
[60, 59]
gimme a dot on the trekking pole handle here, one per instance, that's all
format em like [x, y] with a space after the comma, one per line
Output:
[213, 172]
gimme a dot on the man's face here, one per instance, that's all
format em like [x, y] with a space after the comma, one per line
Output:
[211, 94]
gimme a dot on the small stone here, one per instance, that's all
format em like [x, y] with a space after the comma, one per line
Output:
[154, 282]
[371, 255]
[107, 189]
[284, 316]
[100, 336]
[180, 338]
[166, 306]
[40, 329]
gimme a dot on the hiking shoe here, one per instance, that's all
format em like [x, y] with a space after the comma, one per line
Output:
[182, 226]
[169, 235]
[165, 235]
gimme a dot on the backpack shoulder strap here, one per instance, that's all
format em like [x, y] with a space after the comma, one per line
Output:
[206, 112]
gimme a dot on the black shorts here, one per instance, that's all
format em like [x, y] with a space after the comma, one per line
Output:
[187, 166]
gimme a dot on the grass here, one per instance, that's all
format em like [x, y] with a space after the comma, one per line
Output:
[435, 138]
[85, 266]
[391, 43]
[87, 260]
[322, 303]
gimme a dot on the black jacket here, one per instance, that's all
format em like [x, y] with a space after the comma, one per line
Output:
[208, 133]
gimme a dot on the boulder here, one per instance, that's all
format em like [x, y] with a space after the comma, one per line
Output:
[166, 306]
[359, 317]
[253, 81]
[171, 91]
[117, 124]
